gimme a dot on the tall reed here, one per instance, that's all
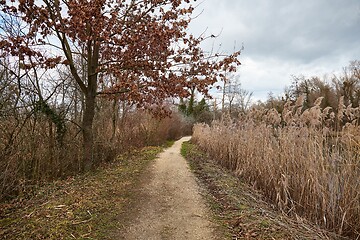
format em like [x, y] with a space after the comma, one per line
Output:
[306, 162]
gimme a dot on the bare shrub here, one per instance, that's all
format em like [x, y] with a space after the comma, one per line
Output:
[30, 153]
[297, 159]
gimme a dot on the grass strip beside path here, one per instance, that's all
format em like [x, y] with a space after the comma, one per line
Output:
[84, 207]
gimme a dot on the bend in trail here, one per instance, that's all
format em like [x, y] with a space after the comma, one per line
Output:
[169, 204]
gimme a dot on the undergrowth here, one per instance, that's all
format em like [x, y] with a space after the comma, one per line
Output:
[82, 207]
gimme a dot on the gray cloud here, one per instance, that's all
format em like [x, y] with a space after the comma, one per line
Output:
[297, 36]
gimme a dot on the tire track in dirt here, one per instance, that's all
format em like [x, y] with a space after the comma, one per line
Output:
[169, 205]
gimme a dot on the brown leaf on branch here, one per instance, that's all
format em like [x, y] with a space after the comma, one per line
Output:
[135, 50]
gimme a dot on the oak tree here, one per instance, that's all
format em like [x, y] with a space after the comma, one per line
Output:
[138, 49]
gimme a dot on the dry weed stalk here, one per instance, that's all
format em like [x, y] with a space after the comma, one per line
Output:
[307, 162]
[30, 155]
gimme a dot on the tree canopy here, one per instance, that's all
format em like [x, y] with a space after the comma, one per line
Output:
[138, 50]
[135, 47]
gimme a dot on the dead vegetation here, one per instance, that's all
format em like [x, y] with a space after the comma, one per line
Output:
[82, 207]
[240, 209]
[30, 154]
[306, 162]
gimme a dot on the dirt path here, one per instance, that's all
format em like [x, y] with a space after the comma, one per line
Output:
[170, 206]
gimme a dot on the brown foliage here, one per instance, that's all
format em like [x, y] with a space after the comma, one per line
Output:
[137, 49]
[138, 44]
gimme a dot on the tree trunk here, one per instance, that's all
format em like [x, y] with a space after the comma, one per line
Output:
[114, 119]
[88, 135]
[190, 109]
[90, 102]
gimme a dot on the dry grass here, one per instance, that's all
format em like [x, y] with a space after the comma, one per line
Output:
[240, 209]
[82, 207]
[30, 153]
[296, 159]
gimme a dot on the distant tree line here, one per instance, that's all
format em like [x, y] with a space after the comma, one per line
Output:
[341, 90]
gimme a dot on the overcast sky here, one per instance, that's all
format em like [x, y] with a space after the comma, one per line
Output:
[282, 38]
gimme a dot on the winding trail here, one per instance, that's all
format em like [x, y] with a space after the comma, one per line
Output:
[169, 204]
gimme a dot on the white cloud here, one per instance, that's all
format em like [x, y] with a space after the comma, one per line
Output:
[283, 38]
